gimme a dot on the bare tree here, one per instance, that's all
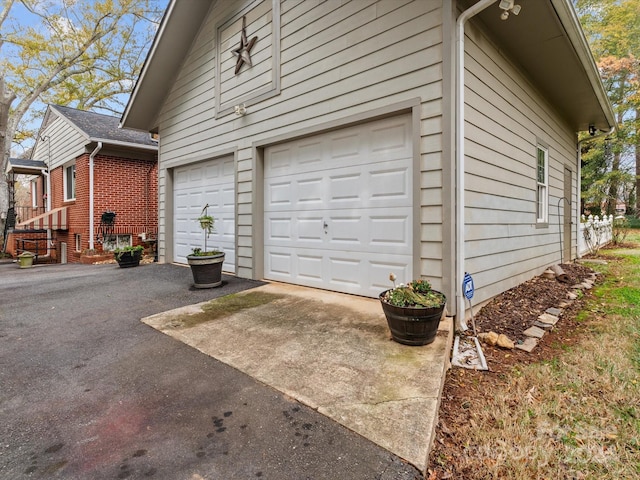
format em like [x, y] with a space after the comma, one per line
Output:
[86, 53]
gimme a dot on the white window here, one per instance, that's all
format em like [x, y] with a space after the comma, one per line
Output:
[542, 195]
[78, 240]
[112, 242]
[34, 193]
[70, 182]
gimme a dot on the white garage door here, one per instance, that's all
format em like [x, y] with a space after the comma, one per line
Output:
[194, 186]
[338, 208]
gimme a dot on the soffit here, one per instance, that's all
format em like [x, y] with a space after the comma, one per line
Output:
[545, 41]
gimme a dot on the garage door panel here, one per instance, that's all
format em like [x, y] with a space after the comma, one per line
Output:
[338, 208]
[213, 183]
[278, 229]
[229, 198]
[390, 231]
[309, 267]
[309, 153]
[390, 138]
[309, 229]
[345, 231]
[343, 188]
[389, 185]
[343, 146]
[277, 195]
[344, 271]
[309, 191]
[379, 271]
[278, 264]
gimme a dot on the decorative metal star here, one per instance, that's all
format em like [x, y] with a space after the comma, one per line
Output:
[243, 52]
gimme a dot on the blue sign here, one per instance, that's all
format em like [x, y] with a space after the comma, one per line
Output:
[467, 286]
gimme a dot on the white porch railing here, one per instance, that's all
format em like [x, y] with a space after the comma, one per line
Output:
[594, 233]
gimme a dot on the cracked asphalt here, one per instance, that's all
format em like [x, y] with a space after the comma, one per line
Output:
[89, 392]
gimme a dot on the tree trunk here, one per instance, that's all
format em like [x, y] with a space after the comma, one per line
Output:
[637, 163]
[6, 98]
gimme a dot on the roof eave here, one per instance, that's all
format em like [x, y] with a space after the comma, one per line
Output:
[572, 26]
[178, 29]
[116, 143]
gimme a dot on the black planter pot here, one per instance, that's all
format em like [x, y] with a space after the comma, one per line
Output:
[412, 325]
[128, 259]
[206, 270]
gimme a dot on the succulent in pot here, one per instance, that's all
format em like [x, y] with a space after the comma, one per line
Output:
[413, 311]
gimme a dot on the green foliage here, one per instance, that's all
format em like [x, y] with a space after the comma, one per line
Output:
[198, 252]
[613, 30]
[119, 252]
[620, 229]
[206, 223]
[417, 293]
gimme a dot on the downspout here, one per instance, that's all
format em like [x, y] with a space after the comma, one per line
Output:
[91, 157]
[579, 157]
[460, 168]
[45, 173]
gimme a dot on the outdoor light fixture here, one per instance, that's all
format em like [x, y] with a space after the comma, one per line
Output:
[509, 6]
[592, 130]
[240, 110]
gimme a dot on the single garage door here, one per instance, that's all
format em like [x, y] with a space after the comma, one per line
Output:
[338, 208]
[194, 186]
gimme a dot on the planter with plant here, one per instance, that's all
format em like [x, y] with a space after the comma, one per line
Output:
[206, 266]
[413, 311]
[128, 256]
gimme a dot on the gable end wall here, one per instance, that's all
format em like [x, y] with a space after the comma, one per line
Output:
[339, 61]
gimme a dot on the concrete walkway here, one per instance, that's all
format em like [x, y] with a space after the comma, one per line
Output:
[329, 351]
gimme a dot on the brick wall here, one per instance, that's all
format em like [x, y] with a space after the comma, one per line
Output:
[126, 186]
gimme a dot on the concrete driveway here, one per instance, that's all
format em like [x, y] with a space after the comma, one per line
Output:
[87, 391]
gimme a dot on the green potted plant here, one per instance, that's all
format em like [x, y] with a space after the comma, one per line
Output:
[413, 311]
[128, 256]
[206, 265]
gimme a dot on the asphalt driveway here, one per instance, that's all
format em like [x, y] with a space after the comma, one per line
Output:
[89, 392]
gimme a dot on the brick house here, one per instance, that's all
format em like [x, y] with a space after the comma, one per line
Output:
[94, 170]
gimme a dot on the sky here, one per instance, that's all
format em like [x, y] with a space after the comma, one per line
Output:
[19, 19]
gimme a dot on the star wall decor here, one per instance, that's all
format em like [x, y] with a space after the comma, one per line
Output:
[243, 52]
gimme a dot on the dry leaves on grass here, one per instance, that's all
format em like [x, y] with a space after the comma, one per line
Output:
[467, 393]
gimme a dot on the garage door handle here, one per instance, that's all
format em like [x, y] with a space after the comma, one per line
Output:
[325, 226]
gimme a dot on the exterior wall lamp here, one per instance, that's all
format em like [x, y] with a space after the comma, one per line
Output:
[509, 6]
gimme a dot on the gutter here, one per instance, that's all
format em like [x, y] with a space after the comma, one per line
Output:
[91, 157]
[45, 173]
[133, 146]
[460, 168]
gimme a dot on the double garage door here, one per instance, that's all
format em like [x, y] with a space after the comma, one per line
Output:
[338, 208]
[211, 182]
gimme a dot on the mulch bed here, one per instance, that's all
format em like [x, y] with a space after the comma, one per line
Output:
[510, 313]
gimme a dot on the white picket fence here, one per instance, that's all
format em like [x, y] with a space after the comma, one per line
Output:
[594, 233]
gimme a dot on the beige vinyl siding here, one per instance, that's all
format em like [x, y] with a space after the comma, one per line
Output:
[67, 143]
[506, 118]
[339, 60]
